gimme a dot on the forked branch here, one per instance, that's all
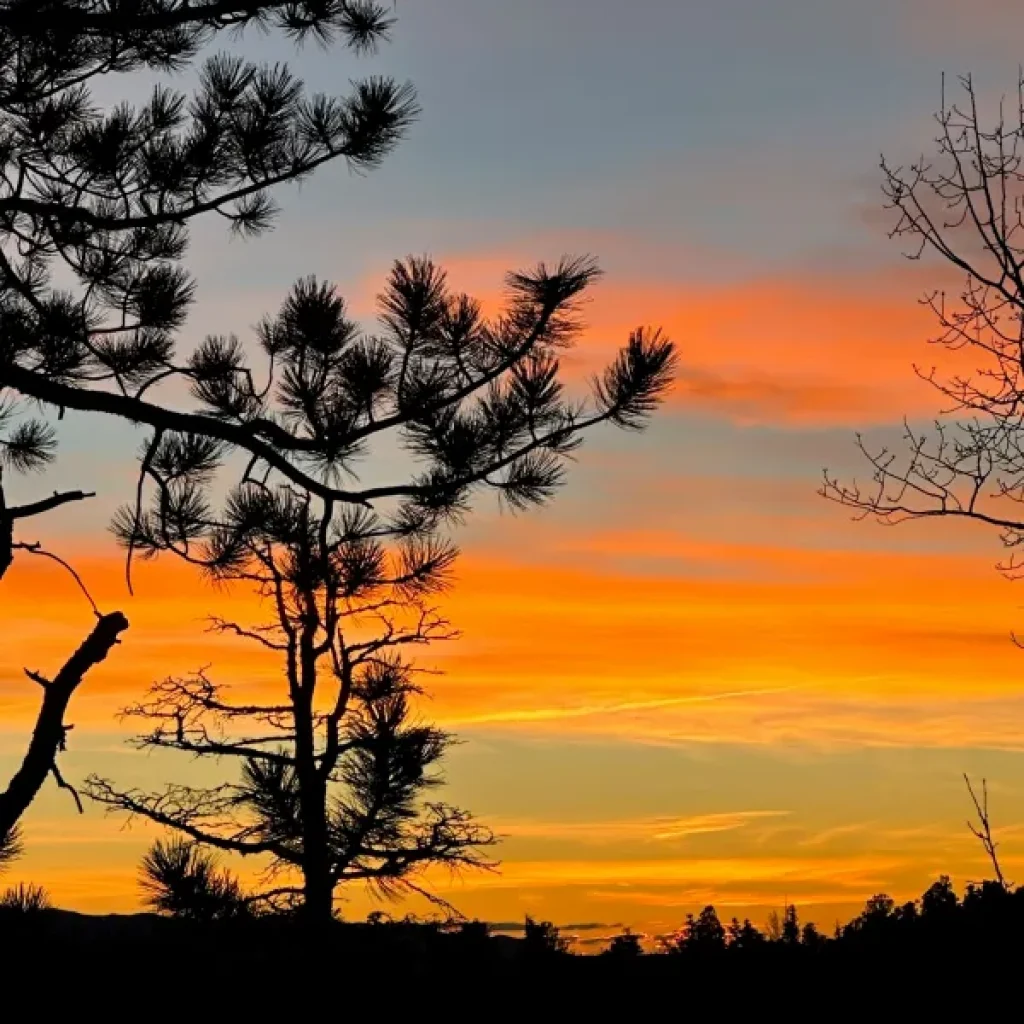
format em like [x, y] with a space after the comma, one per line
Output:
[982, 831]
[50, 733]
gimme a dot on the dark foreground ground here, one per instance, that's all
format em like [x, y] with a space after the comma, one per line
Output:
[57, 965]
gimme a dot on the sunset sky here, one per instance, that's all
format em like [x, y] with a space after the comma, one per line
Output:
[689, 679]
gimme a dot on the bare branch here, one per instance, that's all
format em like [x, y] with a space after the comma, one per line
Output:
[57, 499]
[983, 830]
[38, 549]
[199, 814]
[49, 735]
[967, 206]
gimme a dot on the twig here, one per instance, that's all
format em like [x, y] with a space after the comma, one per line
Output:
[36, 548]
[64, 784]
[57, 499]
[983, 831]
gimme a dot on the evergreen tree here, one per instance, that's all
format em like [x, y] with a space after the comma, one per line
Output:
[334, 769]
[107, 198]
[625, 946]
[479, 404]
[703, 933]
[104, 198]
[790, 926]
[744, 936]
[10, 847]
[810, 937]
[939, 901]
[180, 879]
[542, 940]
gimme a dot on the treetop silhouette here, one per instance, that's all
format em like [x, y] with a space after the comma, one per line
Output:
[964, 205]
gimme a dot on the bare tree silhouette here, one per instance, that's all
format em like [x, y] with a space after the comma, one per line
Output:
[965, 205]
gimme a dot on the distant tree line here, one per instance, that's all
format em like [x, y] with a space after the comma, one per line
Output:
[931, 949]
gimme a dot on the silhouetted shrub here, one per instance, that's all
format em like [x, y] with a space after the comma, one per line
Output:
[181, 880]
[542, 940]
[625, 946]
[24, 898]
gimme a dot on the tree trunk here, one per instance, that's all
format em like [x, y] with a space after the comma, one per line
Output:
[6, 535]
[318, 892]
[6, 540]
[48, 736]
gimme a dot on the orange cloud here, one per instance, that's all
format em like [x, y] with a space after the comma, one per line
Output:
[632, 634]
[785, 351]
[858, 873]
[796, 351]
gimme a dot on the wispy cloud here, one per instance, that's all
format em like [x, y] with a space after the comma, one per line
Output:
[764, 644]
[829, 835]
[559, 714]
[860, 871]
[794, 718]
[649, 830]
